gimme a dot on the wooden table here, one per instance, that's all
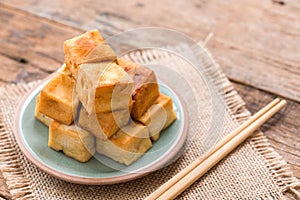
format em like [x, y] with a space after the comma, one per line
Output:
[257, 44]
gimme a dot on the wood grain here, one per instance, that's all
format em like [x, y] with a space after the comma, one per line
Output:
[16, 71]
[251, 38]
[29, 48]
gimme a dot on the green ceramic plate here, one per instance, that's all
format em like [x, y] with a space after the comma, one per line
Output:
[32, 137]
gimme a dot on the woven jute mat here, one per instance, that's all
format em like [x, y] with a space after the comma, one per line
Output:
[253, 171]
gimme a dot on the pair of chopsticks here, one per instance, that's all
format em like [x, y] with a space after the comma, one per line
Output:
[200, 166]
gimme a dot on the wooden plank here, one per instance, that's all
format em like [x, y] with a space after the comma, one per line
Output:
[256, 42]
[282, 130]
[13, 71]
[34, 45]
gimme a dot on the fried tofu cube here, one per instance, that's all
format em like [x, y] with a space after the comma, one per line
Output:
[86, 48]
[145, 86]
[104, 87]
[128, 66]
[56, 101]
[41, 117]
[159, 116]
[145, 91]
[127, 145]
[103, 125]
[73, 141]
[101, 53]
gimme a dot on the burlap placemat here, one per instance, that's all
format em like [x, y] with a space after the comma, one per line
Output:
[253, 171]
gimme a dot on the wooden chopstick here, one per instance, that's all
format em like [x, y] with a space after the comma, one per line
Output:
[196, 169]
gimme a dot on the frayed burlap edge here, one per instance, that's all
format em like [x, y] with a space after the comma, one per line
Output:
[11, 168]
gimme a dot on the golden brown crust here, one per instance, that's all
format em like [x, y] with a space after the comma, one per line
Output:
[127, 145]
[55, 99]
[73, 141]
[128, 66]
[159, 116]
[101, 53]
[104, 87]
[155, 136]
[89, 47]
[145, 91]
[41, 117]
[103, 125]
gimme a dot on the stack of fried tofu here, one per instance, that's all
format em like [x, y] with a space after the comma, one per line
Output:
[100, 103]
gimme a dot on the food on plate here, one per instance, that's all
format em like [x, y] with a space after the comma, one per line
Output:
[145, 91]
[128, 66]
[98, 103]
[86, 48]
[127, 145]
[159, 116]
[41, 117]
[104, 87]
[55, 99]
[103, 125]
[73, 141]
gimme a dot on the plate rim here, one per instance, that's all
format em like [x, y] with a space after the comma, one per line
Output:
[95, 180]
